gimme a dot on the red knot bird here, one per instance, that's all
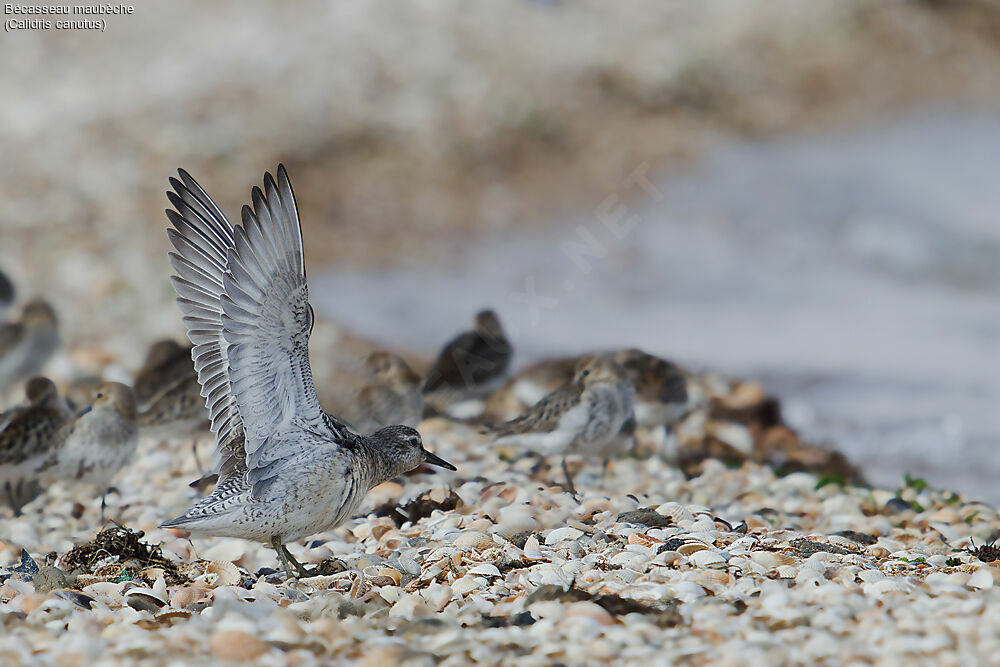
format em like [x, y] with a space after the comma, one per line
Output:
[287, 469]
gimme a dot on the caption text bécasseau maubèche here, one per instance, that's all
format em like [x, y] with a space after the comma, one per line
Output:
[35, 17]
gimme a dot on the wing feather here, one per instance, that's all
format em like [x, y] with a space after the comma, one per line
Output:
[202, 236]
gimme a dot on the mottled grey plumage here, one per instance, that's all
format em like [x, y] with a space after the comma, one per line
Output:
[473, 363]
[287, 469]
[46, 446]
[27, 344]
[392, 397]
[592, 415]
[661, 395]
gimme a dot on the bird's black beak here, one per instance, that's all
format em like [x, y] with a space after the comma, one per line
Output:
[436, 460]
[85, 410]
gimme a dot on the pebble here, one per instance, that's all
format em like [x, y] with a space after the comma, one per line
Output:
[237, 645]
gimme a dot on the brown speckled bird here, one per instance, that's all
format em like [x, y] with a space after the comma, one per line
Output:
[46, 446]
[167, 363]
[169, 395]
[661, 395]
[592, 415]
[39, 392]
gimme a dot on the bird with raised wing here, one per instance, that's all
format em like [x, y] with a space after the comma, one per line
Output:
[287, 469]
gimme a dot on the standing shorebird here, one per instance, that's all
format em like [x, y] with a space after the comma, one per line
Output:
[392, 397]
[27, 345]
[24, 429]
[592, 416]
[472, 364]
[287, 468]
[47, 448]
[661, 394]
[167, 364]
[39, 392]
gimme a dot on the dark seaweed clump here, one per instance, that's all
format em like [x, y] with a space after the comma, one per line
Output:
[130, 553]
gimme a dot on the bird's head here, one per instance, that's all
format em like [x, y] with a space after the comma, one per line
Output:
[403, 449]
[113, 397]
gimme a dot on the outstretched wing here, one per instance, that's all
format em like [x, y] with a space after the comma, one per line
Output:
[243, 293]
[266, 321]
[202, 238]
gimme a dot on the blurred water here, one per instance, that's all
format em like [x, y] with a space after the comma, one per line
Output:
[857, 274]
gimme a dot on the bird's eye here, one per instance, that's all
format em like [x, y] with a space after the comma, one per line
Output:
[99, 395]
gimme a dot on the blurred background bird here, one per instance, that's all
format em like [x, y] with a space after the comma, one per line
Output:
[27, 343]
[392, 396]
[42, 446]
[26, 431]
[469, 365]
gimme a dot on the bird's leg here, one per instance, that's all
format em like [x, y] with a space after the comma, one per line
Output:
[569, 479]
[14, 505]
[280, 550]
[104, 500]
[303, 572]
[287, 559]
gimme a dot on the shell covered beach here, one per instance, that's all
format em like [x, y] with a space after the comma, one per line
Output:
[424, 135]
[691, 549]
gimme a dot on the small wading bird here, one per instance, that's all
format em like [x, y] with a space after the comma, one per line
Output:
[661, 394]
[287, 468]
[43, 446]
[169, 395]
[592, 416]
[471, 364]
